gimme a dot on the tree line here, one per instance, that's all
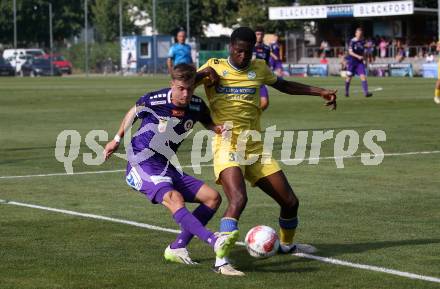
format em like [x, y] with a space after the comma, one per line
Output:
[68, 17]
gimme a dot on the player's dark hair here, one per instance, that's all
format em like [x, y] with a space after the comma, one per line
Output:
[244, 34]
[184, 72]
[259, 29]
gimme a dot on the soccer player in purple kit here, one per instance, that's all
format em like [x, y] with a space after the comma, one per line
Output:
[167, 115]
[355, 65]
[262, 51]
[275, 57]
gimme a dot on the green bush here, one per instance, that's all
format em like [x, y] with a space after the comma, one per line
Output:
[99, 55]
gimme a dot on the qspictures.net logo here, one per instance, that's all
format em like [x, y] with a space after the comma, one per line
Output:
[294, 146]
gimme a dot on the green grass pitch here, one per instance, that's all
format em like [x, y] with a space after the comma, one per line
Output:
[386, 215]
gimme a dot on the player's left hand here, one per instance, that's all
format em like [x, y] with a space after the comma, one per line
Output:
[330, 96]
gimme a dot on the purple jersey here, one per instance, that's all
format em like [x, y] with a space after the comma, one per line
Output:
[165, 122]
[358, 47]
[275, 49]
[262, 51]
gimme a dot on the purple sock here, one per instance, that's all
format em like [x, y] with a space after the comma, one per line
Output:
[189, 223]
[203, 214]
[347, 88]
[365, 87]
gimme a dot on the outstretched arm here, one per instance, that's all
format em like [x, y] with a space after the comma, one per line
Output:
[295, 88]
[112, 146]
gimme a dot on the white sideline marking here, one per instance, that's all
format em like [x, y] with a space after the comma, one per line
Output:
[379, 88]
[210, 165]
[162, 229]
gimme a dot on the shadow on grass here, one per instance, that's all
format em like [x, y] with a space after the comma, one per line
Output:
[281, 263]
[278, 264]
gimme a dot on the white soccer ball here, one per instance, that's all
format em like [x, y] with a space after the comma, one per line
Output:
[262, 242]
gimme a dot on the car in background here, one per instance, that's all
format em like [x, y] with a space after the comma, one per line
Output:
[6, 68]
[60, 62]
[39, 67]
[17, 57]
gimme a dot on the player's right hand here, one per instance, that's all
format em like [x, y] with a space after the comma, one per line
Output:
[110, 148]
[330, 96]
[213, 77]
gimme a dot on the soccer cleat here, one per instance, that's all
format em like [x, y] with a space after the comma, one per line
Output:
[225, 242]
[297, 248]
[347, 95]
[179, 255]
[227, 269]
[369, 94]
[437, 99]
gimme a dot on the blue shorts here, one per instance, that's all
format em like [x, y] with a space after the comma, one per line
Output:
[154, 179]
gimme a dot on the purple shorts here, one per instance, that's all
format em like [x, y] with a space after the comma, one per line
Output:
[355, 68]
[264, 92]
[275, 64]
[154, 179]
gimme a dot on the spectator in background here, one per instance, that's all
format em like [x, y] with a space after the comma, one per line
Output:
[369, 50]
[432, 47]
[262, 51]
[179, 52]
[400, 54]
[323, 59]
[383, 45]
[429, 58]
[275, 61]
[325, 48]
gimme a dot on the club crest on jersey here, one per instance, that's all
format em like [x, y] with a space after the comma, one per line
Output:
[162, 126]
[225, 72]
[188, 124]
[251, 75]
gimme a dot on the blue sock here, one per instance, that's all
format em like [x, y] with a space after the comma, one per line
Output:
[228, 225]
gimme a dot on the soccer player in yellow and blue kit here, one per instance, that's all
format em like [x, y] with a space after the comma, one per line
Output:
[437, 84]
[235, 98]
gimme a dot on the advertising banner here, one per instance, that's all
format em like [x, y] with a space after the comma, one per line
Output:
[401, 69]
[430, 70]
[318, 70]
[299, 70]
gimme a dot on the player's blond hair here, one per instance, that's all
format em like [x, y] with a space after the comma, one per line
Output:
[184, 72]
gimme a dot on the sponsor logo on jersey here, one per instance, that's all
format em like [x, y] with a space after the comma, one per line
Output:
[235, 90]
[188, 124]
[133, 179]
[177, 112]
[160, 179]
[161, 95]
[251, 75]
[158, 102]
[194, 99]
[194, 107]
